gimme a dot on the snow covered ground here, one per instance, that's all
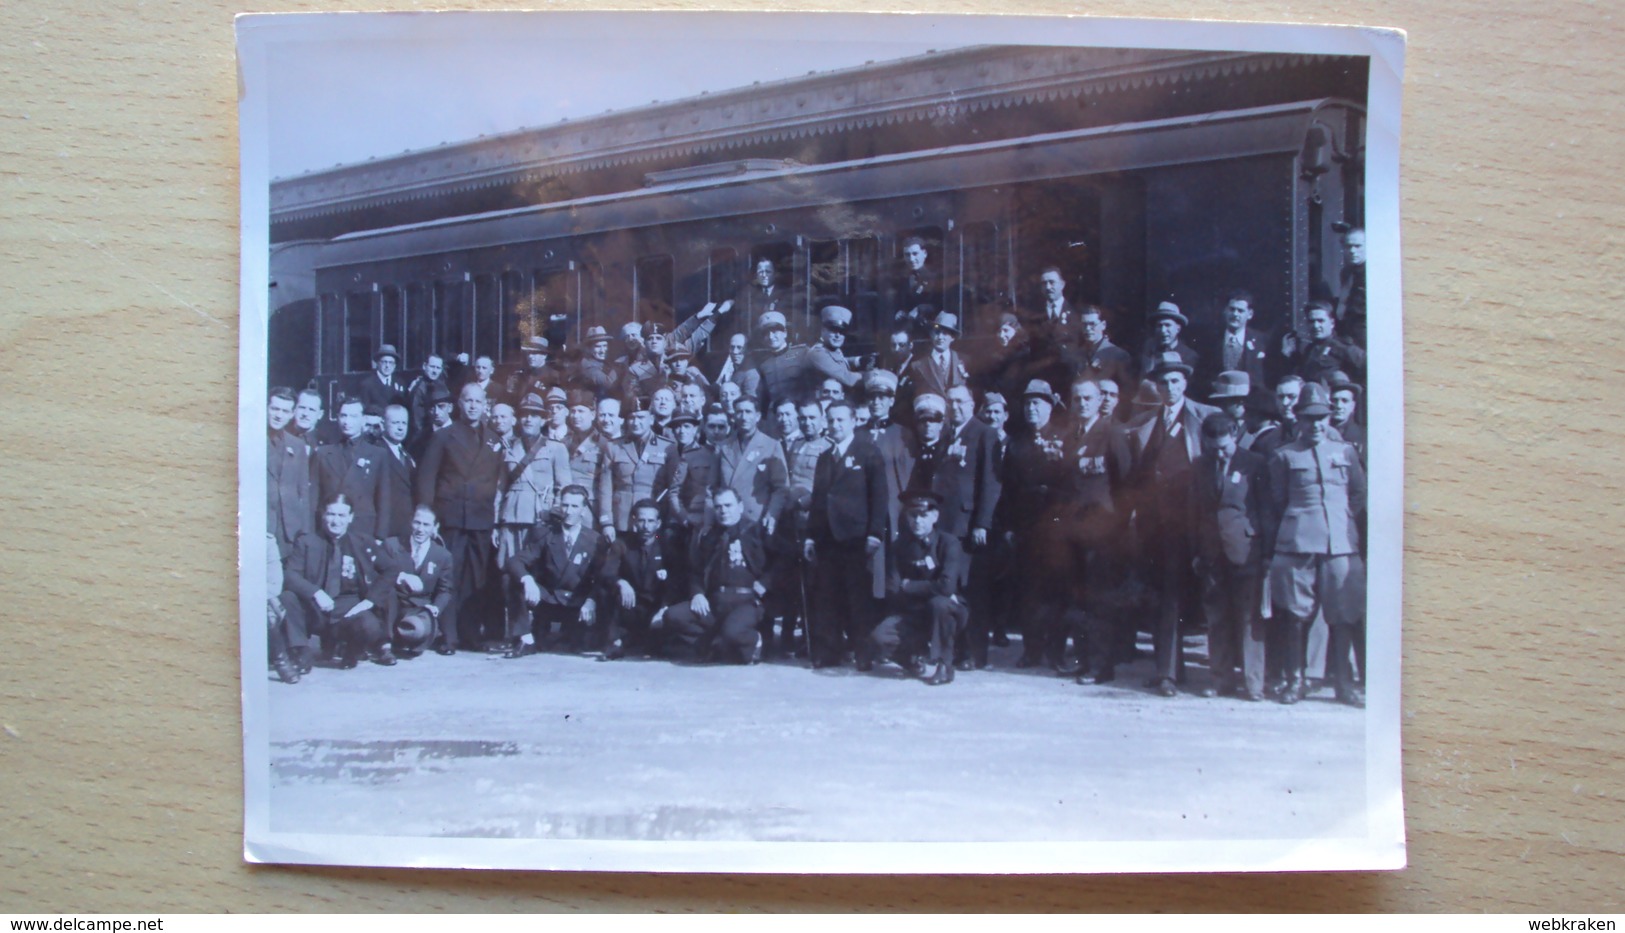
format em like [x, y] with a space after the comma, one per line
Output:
[565, 747]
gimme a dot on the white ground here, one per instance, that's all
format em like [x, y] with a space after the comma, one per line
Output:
[559, 746]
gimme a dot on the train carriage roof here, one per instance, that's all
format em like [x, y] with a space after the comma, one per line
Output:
[924, 102]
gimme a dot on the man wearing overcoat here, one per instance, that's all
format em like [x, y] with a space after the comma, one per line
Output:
[847, 527]
[1230, 502]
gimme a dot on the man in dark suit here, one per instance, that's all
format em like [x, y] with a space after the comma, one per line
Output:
[1317, 495]
[1168, 323]
[421, 396]
[1164, 443]
[459, 476]
[924, 567]
[847, 528]
[1096, 526]
[1097, 358]
[646, 572]
[1345, 396]
[288, 509]
[1238, 348]
[939, 369]
[894, 441]
[558, 571]
[537, 377]
[729, 577]
[1324, 353]
[419, 572]
[916, 293]
[1032, 513]
[400, 473]
[1230, 501]
[382, 389]
[335, 577]
[355, 468]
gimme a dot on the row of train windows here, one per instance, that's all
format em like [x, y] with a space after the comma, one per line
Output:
[492, 314]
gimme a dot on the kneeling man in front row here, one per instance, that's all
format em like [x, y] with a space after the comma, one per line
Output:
[558, 571]
[923, 609]
[729, 576]
[335, 575]
[419, 572]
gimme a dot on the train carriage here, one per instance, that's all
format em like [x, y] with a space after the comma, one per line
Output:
[1118, 171]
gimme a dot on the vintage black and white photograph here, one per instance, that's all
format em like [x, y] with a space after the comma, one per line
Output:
[838, 443]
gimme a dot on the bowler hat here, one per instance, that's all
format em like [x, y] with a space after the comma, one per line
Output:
[1170, 311]
[1231, 384]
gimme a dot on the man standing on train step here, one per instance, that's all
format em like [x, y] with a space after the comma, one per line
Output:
[596, 373]
[459, 476]
[782, 371]
[918, 292]
[538, 376]
[1168, 323]
[828, 360]
[382, 389]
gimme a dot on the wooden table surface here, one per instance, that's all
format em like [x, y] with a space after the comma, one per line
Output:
[120, 758]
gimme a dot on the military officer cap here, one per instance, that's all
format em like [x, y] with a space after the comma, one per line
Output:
[836, 318]
[439, 393]
[1148, 395]
[581, 398]
[536, 345]
[655, 330]
[880, 382]
[920, 500]
[533, 402]
[948, 322]
[1315, 403]
[684, 417]
[679, 352]
[596, 335]
[1038, 388]
[771, 320]
[557, 396]
[388, 350]
[934, 403]
[1340, 380]
[1170, 311]
[1170, 362]
[1231, 384]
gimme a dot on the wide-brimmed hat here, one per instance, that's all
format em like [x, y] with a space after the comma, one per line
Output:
[536, 345]
[1315, 402]
[388, 350]
[1169, 362]
[412, 630]
[438, 393]
[1147, 395]
[1171, 311]
[948, 322]
[1038, 388]
[533, 402]
[1340, 380]
[1231, 384]
[596, 335]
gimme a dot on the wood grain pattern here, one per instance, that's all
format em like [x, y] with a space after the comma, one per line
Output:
[120, 776]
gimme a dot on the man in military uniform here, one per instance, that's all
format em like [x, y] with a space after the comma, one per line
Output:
[1033, 517]
[683, 371]
[418, 572]
[1317, 493]
[1283, 429]
[596, 373]
[894, 441]
[288, 508]
[308, 422]
[647, 574]
[847, 529]
[728, 578]
[354, 467]
[923, 609]
[640, 465]
[537, 377]
[1324, 353]
[917, 294]
[1351, 287]
[698, 467]
[1167, 324]
[587, 451]
[827, 361]
[535, 469]
[558, 573]
[663, 402]
[382, 389]
[782, 369]
[335, 576]
[1230, 503]
[459, 474]
[1164, 443]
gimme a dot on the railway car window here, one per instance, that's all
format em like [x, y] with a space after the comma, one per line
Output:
[330, 334]
[487, 317]
[392, 316]
[419, 329]
[723, 279]
[652, 283]
[360, 330]
[826, 272]
[552, 310]
[518, 302]
[979, 276]
[862, 265]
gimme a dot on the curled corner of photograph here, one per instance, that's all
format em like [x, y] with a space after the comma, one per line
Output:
[967, 435]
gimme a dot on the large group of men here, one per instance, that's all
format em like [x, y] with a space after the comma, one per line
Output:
[686, 495]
